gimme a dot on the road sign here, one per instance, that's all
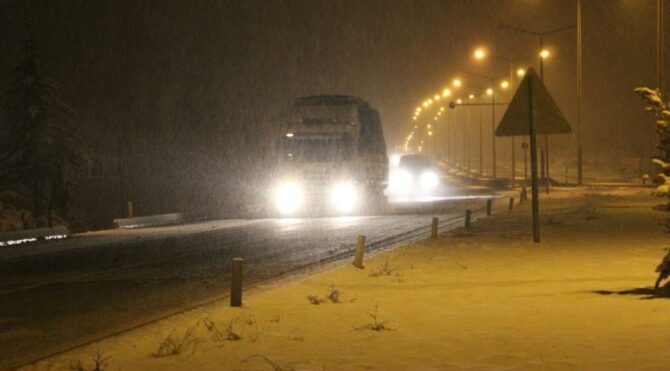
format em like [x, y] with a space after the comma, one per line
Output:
[532, 112]
[547, 116]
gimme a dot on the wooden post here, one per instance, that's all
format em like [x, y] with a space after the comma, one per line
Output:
[489, 205]
[130, 209]
[468, 217]
[360, 249]
[236, 283]
[433, 228]
[511, 203]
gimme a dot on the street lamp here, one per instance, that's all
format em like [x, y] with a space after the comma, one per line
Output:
[544, 53]
[490, 92]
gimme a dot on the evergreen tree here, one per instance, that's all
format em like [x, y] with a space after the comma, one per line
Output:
[40, 153]
[661, 111]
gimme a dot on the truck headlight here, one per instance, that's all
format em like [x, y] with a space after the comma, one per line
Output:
[289, 197]
[429, 180]
[344, 197]
[401, 181]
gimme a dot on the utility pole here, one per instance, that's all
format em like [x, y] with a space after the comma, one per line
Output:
[659, 44]
[580, 170]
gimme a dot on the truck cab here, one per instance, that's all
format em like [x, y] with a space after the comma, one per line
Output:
[331, 158]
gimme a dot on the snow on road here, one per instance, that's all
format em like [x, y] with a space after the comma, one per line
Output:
[479, 299]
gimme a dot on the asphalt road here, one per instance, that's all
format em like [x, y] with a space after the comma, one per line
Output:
[55, 298]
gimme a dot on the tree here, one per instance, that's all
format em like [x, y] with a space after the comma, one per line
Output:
[40, 153]
[661, 111]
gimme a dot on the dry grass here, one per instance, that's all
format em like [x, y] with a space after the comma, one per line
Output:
[376, 324]
[385, 270]
[174, 344]
[99, 363]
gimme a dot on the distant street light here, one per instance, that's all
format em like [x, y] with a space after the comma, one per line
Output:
[521, 72]
[504, 84]
[457, 83]
[544, 53]
[490, 93]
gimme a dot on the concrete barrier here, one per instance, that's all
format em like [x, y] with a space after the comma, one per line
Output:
[149, 221]
[32, 235]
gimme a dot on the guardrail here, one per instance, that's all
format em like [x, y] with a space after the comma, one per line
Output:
[32, 235]
[149, 221]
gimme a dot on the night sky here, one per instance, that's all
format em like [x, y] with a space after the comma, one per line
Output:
[188, 73]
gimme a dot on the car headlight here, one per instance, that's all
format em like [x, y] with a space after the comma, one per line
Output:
[289, 197]
[401, 181]
[344, 197]
[429, 180]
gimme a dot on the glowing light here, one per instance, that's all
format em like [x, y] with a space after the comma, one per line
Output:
[489, 91]
[425, 104]
[290, 135]
[457, 83]
[544, 54]
[428, 126]
[471, 96]
[504, 84]
[429, 180]
[401, 181]
[343, 197]
[521, 72]
[446, 93]
[480, 54]
[436, 97]
[459, 101]
[289, 197]
[430, 133]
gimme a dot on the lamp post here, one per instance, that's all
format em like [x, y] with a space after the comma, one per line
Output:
[490, 93]
[659, 44]
[542, 56]
[481, 54]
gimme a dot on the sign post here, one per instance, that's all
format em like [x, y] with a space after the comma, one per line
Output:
[533, 112]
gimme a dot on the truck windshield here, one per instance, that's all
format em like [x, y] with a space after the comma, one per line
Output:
[318, 149]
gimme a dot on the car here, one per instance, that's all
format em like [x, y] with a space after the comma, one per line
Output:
[414, 176]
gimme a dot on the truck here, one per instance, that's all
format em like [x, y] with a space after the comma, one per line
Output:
[330, 158]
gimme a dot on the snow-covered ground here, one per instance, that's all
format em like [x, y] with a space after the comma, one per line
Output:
[479, 299]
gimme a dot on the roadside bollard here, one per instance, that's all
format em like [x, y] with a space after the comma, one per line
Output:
[468, 216]
[360, 249]
[236, 283]
[511, 203]
[489, 204]
[433, 228]
[130, 209]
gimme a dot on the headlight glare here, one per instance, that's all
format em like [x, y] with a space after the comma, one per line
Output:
[289, 197]
[344, 197]
[429, 180]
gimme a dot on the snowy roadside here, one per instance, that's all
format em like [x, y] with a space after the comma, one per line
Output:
[484, 298]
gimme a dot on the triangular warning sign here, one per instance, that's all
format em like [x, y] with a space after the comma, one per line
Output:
[547, 116]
